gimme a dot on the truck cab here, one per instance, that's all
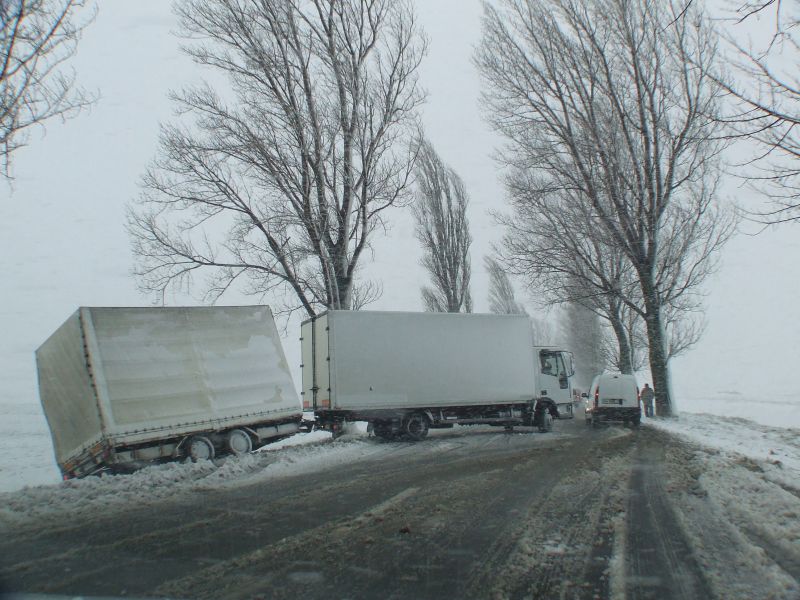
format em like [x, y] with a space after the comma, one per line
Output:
[555, 372]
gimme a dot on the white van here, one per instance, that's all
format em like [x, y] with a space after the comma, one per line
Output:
[613, 398]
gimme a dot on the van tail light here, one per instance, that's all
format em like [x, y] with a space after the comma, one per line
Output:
[596, 396]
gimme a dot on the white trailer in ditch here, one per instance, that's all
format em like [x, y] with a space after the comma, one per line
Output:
[405, 373]
[124, 386]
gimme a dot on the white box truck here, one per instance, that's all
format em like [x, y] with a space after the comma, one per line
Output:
[124, 386]
[405, 373]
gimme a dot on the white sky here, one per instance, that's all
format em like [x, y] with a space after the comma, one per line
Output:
[63, 243]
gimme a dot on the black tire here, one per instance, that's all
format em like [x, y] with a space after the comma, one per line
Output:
[416, 427]
[383, 432]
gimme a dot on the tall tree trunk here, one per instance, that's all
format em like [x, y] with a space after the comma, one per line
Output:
[625, 362]
[659, 361]
[344, 287]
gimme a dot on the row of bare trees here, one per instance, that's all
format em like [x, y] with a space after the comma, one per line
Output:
[610, 112]
[615, 114]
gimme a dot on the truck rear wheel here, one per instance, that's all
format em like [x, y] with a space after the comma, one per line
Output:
[200, 448]
[239, 442]
[416, 427]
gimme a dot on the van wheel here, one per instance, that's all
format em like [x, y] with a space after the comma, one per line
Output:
[238, 442]
[200, 448]
[416, 427]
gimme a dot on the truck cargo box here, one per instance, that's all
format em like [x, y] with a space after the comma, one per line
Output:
[123, 384]
[362, 360]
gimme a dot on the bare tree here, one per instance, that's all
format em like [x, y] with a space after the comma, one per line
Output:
[585, 338]
[633, 356]
[612, 102]
[37, 37]
[502, 298]
[553, 242]
[443, 230]
[544, 330]
[281, 177]
[765, 80]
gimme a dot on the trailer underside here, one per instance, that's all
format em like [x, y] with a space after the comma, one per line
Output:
[119, 457]
[414, 423]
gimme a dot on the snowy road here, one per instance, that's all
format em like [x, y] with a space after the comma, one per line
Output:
[479, 513]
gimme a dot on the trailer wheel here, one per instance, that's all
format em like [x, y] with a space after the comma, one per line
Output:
[416, 427]
[239, 442]
[200, 448]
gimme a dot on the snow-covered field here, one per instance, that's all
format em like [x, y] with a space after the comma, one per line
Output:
[775, 409]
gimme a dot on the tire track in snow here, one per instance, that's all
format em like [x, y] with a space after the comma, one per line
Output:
[660, 560]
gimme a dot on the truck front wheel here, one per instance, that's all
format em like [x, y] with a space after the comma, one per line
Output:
[416, 427]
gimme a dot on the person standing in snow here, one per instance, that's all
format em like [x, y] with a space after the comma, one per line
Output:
[647, 396]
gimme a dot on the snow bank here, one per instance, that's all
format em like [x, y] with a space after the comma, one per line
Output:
[746, 496]
[776, 450]
[310, 453]
[301, 454]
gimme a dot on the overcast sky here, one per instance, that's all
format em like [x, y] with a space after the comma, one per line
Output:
[63, 243]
